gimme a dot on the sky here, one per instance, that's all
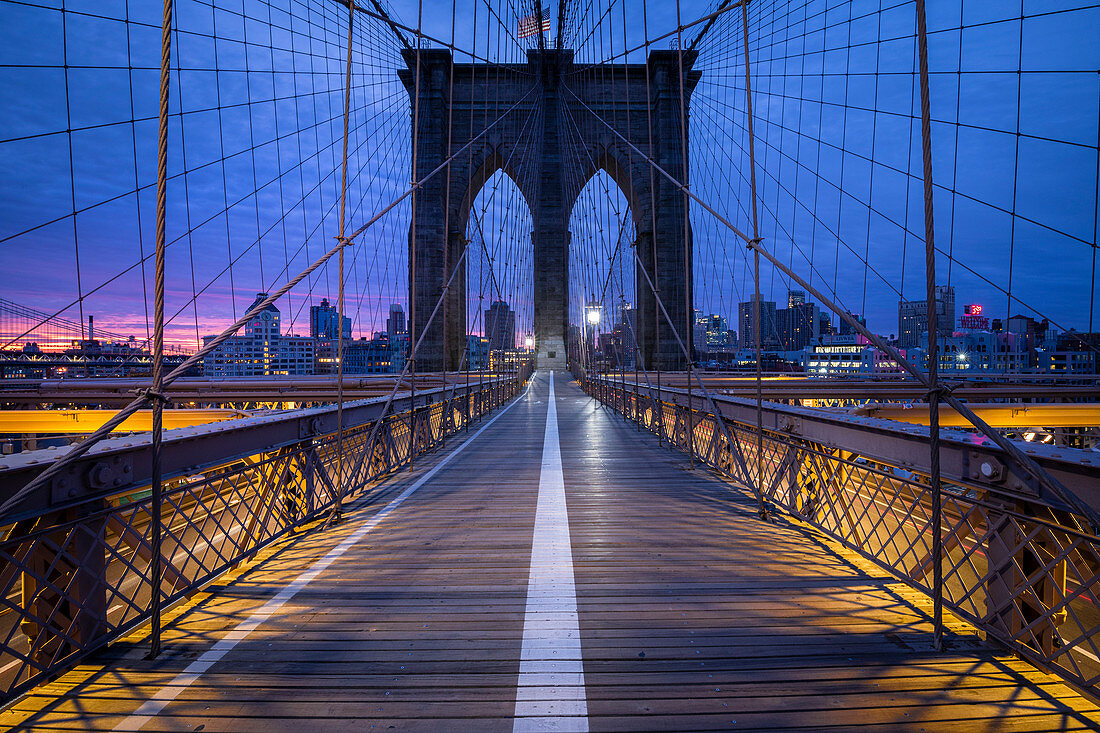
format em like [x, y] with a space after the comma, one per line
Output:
[257, 96]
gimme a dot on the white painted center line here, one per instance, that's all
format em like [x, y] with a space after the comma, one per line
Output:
[151, 707]
[550, 694]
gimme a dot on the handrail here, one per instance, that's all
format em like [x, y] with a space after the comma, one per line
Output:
[186, 449]
[963, 453]
[1019, 566]
[75, 559]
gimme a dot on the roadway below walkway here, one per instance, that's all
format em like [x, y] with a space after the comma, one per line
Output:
[563, 574]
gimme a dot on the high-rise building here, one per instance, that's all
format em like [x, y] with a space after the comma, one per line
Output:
[324, 321]
[500, 326]
[799, 324]
[945, 308]
[627, 322]
[913, 317]
[1030, 332]
[795, 298]
[262, 351]
[477, 352]
[396, 322]
[912, 322]
[769, 326]
[369, 356]
[713, 333]
[699, 331]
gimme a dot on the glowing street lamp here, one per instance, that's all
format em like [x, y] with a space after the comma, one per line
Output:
[592, 313]
[529, 342]
[591, 321]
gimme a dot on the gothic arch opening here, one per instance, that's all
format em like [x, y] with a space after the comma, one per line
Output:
[499, 267]
[552, 167]
[602, 278]
[486, 170]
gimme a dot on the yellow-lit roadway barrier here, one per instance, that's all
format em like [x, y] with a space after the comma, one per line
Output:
[998, 415]
[87, 421]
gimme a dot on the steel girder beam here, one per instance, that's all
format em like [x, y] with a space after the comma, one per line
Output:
[107, 391]
[117, 465]
[889, 390]
[965, 457]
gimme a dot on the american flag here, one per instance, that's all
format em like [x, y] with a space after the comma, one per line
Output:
[529, 25]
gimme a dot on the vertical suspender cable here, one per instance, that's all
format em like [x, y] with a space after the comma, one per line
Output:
[447, 412]
[480, 270]
[933, 332]
[688, 310]
[636, 412]
[72, 177]
[761, 507]
[412, 241]
[1095, 230]
[655, 361]
[156, 569]
[339, 483]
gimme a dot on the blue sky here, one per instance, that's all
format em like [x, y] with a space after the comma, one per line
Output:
[837, 152]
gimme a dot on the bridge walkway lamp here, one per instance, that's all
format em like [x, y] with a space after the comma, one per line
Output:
[592, 314]
[591, 322]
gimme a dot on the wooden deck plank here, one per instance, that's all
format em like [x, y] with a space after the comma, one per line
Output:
[711, 565]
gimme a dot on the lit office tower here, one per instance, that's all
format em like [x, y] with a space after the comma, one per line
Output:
[396, 322]
[913, 317]
[324, 320]
[628, 323]
[263, 350]
[799, 323]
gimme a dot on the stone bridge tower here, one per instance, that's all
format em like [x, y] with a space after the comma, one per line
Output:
[553, 141]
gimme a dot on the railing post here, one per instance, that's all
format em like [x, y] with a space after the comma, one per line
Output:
[293, 488]
[429, 421]
[660, 413]
[1015, 600]
[309, 477]
[64, 587]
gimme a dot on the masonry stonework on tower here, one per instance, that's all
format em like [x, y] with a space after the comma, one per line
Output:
[533, 112]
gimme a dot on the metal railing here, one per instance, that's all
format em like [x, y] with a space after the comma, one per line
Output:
[75, 560]
[1022, 569]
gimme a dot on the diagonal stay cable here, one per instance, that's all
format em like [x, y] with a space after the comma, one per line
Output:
[409, 362]
[709, 17]
[142, 399]
[449, 46]
[1046, 485]
[660, 303]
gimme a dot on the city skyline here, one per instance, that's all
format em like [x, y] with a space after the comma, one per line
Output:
[115, 336]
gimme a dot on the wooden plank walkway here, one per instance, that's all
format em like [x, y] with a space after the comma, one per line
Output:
[693, 615]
